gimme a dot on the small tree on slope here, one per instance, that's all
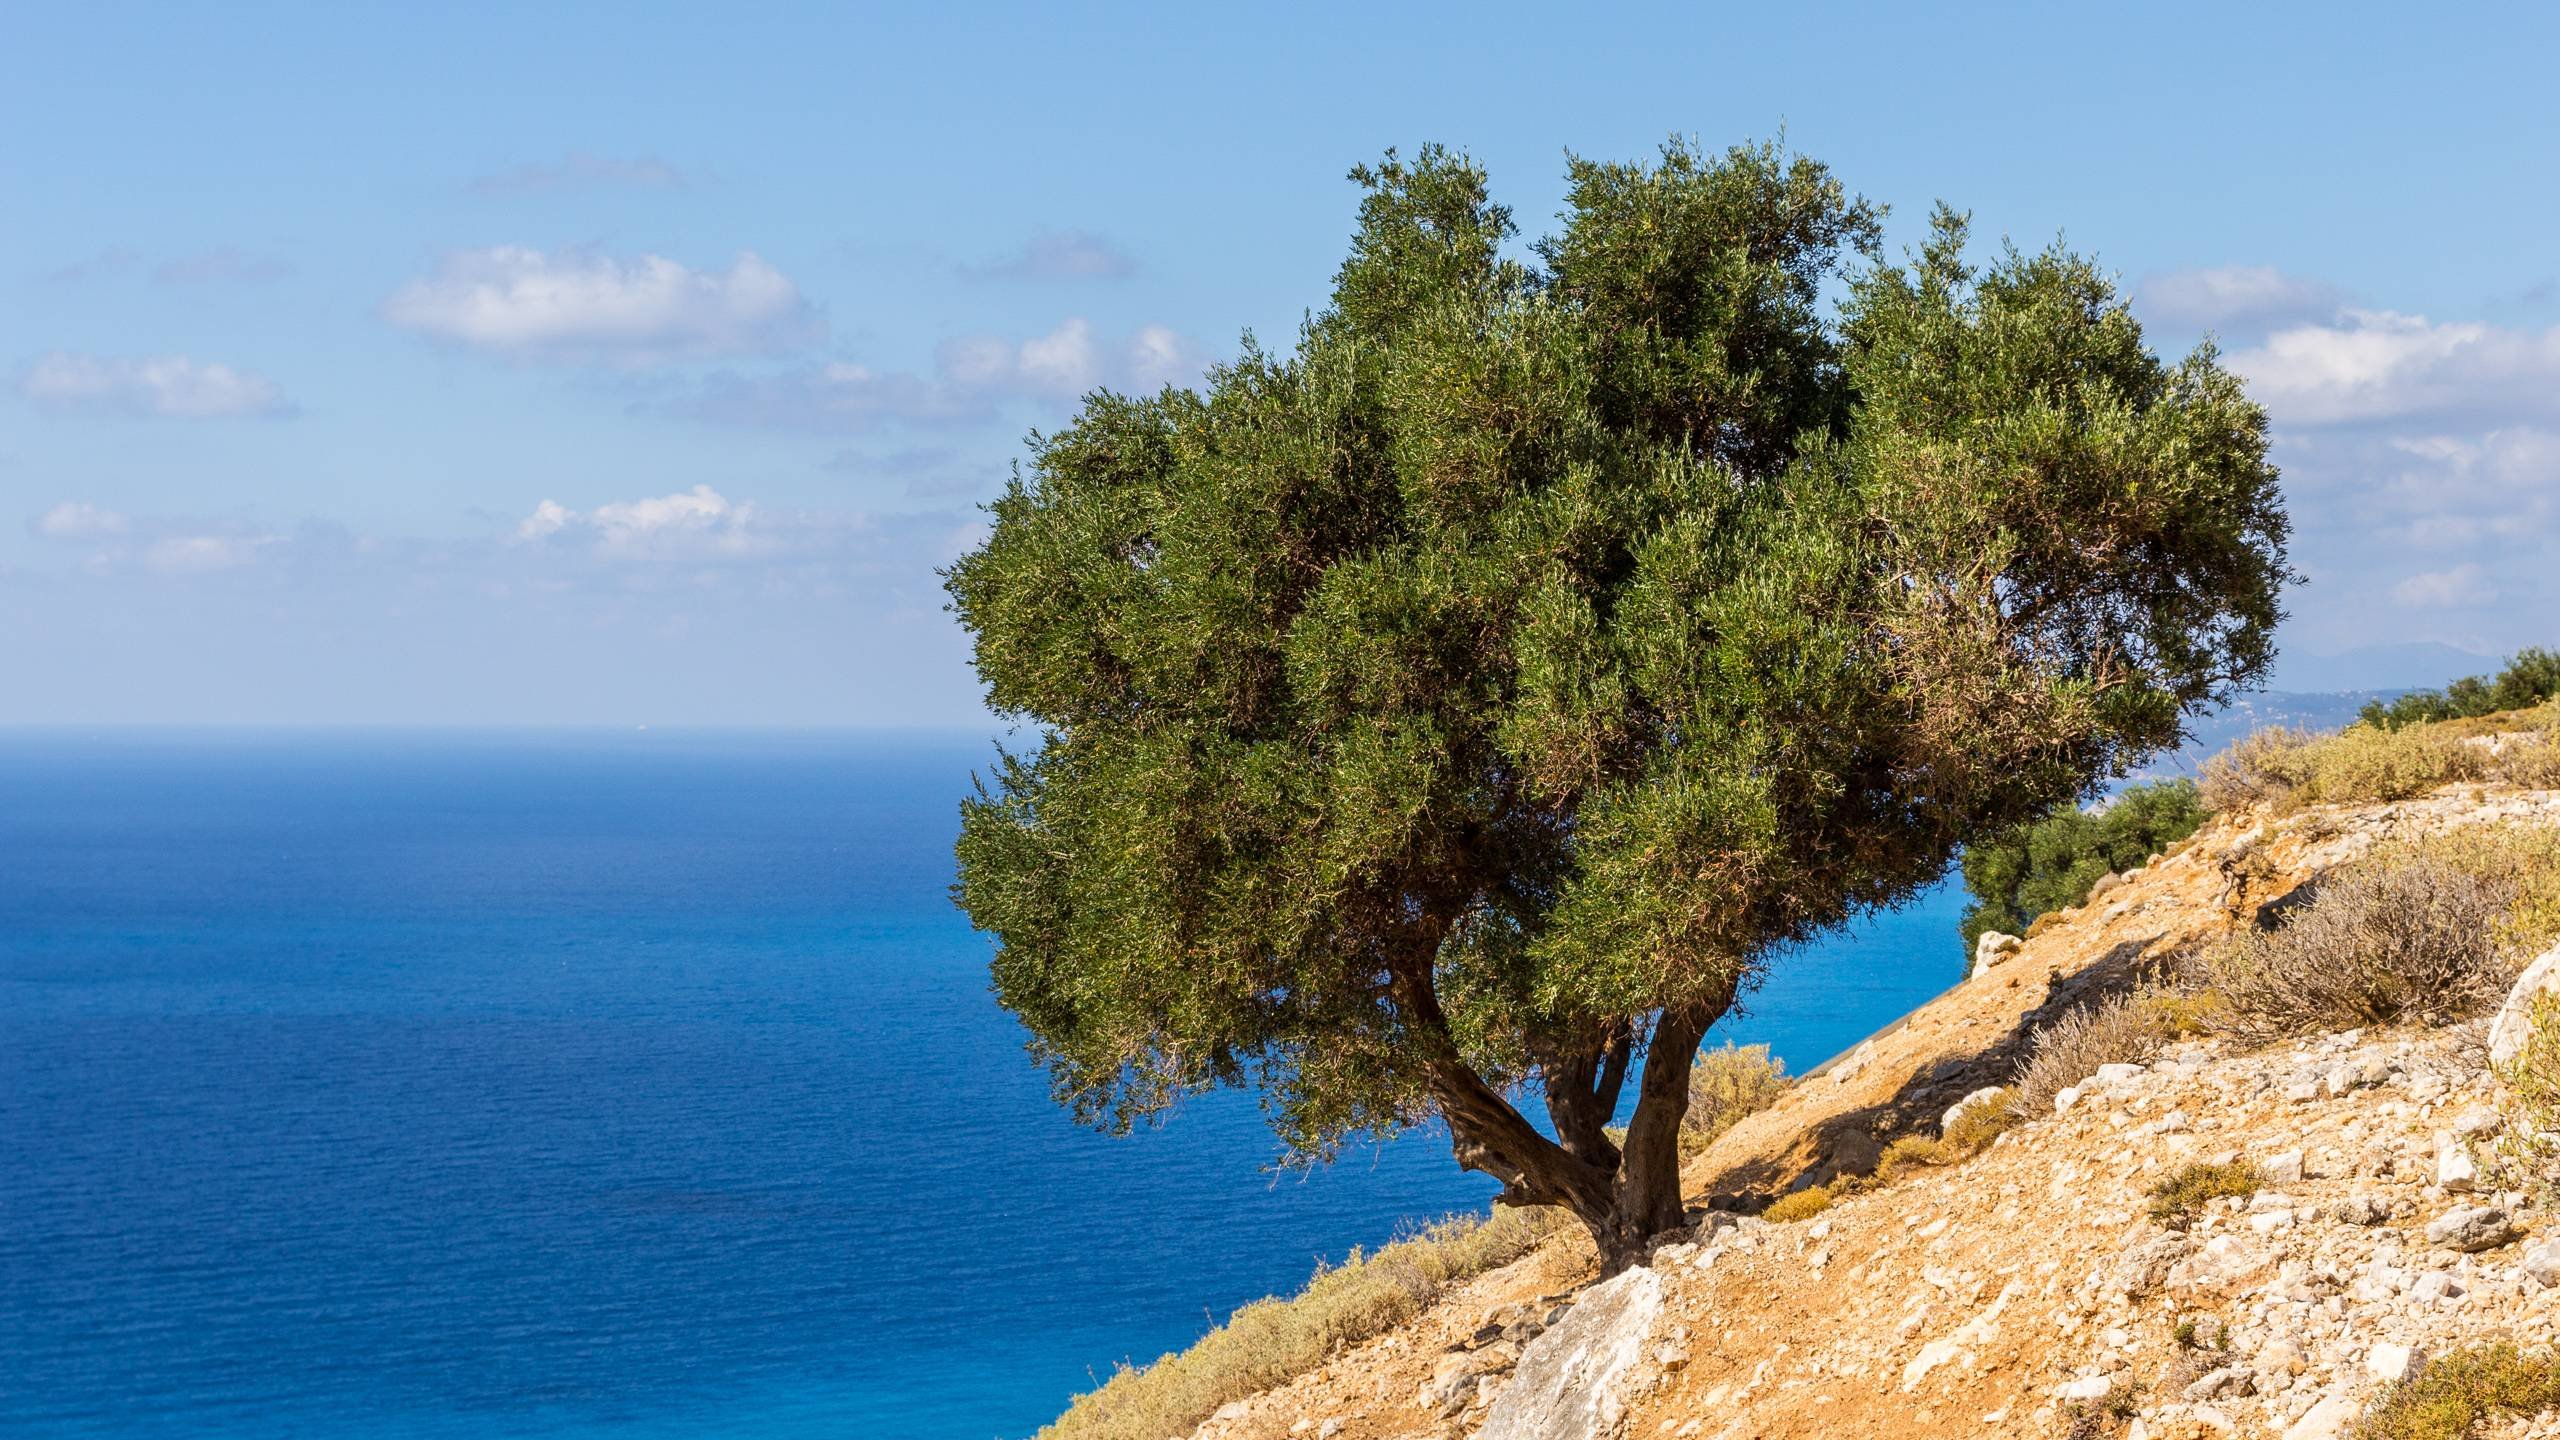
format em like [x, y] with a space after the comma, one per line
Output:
[1456, 713]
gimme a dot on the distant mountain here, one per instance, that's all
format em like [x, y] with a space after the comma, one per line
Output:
[2420, 665]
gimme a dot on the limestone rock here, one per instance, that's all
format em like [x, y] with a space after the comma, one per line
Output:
[1983, 1096]
[2324, 1421]
[1575, 1380]
[2542, 1263]
[2389, 1362]
[2515, 1018]
[1993, 948]
[2471, 1228]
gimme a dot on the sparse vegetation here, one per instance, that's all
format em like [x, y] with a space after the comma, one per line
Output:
[1975, 1127]
[2037, 869]
[2068, 1050]
[1726, 1084]
[1269, 1341]
[2527, 1154]
[2400, 936]
[2283, 770]
[2179, 1199]
[2529, 679]
[2457, 1391]
[1799, 1204]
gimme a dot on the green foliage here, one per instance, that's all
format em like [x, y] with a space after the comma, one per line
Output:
[2179, 1199]
[2047, 866]
[1528, 654]
[2529, 679]
[2456, 1391]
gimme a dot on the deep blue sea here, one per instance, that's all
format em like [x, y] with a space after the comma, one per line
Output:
[601, 1085]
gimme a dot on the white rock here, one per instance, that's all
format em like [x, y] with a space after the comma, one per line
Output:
[2477, 1121]
[2087, 1387]
[2542, 1263]
[1983, 1096]
[2388, 1361]
[2455, 1170]
[1847, 1069]
[1576, 1378]
[2121, 1074]
[2324, 1421]
[1232, 1410]
[2069, 1097]
[2514, 1021]
[2282, 1168]
[1993, 948]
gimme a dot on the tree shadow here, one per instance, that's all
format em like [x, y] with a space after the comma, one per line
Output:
[1853, 1141]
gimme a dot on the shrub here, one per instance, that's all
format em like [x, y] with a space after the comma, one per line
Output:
[2409, 936]
[2047, 866]
[1975, 1127]
[1726, 1084]
[1798, 1205]
[1270, 1341]
[2068, 1050]
[2523, 859]
[2527, 1153]
[2179, 1199]
[2529, 679]
[2282, 769]
[2457, 1391]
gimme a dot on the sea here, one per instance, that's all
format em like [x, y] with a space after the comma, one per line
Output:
[593, 1084]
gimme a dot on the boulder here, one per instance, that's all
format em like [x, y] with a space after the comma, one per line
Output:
[2472, 1228]
[1983, 1096]
[2514, 1020]
[1993, 948]
[1575, 1380]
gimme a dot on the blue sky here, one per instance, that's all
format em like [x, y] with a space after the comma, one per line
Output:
[638, 364]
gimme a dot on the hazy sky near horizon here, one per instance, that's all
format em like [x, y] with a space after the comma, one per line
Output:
[638, 364]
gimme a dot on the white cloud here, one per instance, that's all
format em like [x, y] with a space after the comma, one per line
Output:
[581, 170]
[1060, 255]
[2451, 589]
[2378, 365]
[689, 524]
[79, 520]
[511, 297]
[971, 379]
[165, 385]
[198, 554]
[2229, 297]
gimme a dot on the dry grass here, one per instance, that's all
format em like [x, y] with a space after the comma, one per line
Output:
[1798, 1205]
[2179, 1199]
[2526, 1154]
[1271, 1341]
[2407, 936]
[1976, 1126]
[2282, 770]
[2070, 1049]
[1725, 1085]
[2455, 1392]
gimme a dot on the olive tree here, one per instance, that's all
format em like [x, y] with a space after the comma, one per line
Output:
[1452, 716]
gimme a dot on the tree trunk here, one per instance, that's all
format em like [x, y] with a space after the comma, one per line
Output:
[1645, 1196]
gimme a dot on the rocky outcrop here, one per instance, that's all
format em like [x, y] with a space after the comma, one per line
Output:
[1575, 1381]
[2515, 1018]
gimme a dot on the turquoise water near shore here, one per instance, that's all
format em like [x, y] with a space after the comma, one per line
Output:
[602, 1084]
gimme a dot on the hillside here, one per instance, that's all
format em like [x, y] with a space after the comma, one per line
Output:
[2028, 1289]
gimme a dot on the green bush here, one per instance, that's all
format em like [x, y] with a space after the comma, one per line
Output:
[2179, 1199]
[2051, 864]
[2458, 1391]
[2529, 679]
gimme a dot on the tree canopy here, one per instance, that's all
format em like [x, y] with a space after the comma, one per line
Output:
[1464, 705]
[2051, 864]
[2532, 677]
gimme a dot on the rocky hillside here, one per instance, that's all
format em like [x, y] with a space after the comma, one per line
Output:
[2215, 1239]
